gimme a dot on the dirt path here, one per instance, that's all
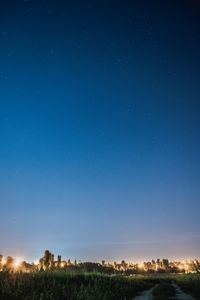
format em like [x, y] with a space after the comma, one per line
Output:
[146, 295]
[180, 295]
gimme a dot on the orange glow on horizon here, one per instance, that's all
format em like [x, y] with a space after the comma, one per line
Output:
[18, 262]
[141, 265]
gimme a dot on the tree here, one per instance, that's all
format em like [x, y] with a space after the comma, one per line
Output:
[196, 265]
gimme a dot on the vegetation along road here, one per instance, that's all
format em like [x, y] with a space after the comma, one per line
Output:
[164, 291]
[146, 295]
[181, 295]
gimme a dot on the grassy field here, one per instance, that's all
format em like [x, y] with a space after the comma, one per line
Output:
[64, 285]
[70, 286]
[189, 283]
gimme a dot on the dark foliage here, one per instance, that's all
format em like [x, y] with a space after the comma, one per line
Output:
[164, 291]
[190, 284]
[69, 286]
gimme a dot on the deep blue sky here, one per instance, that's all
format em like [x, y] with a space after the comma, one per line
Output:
[100, 128]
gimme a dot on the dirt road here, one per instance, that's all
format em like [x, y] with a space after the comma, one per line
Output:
[147, 295]
[180, 295]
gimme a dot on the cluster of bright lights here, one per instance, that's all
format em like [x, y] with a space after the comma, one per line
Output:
[17, 262]
[3, 261]
[141, 265]
[184, 266]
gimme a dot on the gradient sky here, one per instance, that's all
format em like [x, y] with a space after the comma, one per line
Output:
[100, 129]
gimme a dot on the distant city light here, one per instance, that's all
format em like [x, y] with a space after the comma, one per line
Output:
[17, 262]
[49, 262]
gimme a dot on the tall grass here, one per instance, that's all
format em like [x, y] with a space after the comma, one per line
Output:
[70, 286]
[189, 283]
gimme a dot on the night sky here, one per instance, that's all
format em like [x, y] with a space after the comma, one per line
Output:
[100, 129]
